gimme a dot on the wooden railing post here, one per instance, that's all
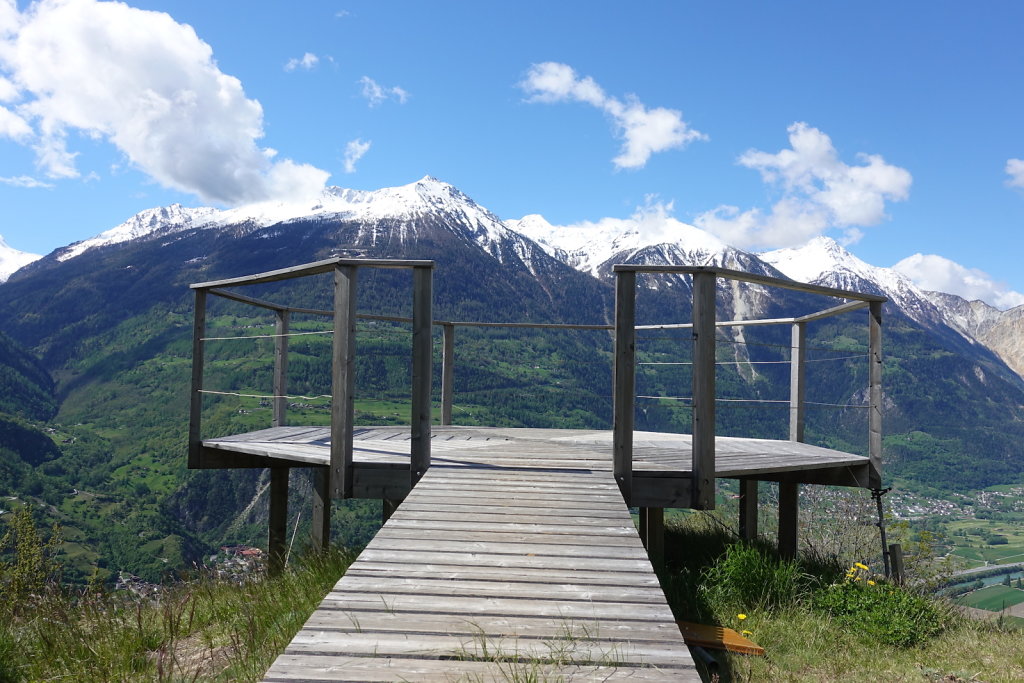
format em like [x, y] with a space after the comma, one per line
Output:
[875, 393]
[422, 357]
[797, 381]
[624, 382]
[447, 372]
[280, 369]
[789, 492]
[748, 509]
[196, 397]
[703, 442]
[343, 381]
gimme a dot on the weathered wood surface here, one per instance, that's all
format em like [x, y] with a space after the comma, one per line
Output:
[655, 455]
[505, 562]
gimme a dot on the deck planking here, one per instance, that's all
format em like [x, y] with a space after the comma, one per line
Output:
[496, 568]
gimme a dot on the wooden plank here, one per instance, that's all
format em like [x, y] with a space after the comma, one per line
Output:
[797, 381]
[503, 589]
[534, 549]
[426, 534]
[341, 668]
[280, 401]
[543, 574]
[718, 638]
[314, 268]
[320, 529]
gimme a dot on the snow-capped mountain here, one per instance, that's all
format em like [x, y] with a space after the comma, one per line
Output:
[12, 260]
[822, 261]
[594, 247]
[376, 210]
[1001, 331]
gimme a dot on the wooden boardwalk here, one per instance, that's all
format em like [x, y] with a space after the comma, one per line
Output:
[512, 559]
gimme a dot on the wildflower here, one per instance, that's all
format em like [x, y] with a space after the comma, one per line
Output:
[747, 633]
[741, 617]
[860, 566]
[870, 582]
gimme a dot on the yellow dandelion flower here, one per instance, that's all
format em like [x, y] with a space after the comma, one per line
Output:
[860, 566]
[870, 582]
[857, 579]
[741, 617]
[747, 633]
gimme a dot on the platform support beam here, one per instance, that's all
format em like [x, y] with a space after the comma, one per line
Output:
[196, 397]
[422, 358]
[704, 391]
[624, 389]
[652, 533]
[875, 393]
[789, 518]
[278, 537]
[748, 509]
[321, 527]
[343, 381]
[447, 372]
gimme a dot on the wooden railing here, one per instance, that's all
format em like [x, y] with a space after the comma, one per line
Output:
[704, 324]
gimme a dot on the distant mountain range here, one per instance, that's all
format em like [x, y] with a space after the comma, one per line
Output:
[109, 319]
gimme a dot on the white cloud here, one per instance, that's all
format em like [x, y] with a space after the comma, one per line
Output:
[644, 131]
[376, 93]
[24, 181]
[307, 62]
[354, 151]
[1015, 169]
[161, 100]
[819, 192]
[939, 274]
[13, 126]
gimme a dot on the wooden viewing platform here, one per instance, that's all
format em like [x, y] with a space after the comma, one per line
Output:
[510, 554]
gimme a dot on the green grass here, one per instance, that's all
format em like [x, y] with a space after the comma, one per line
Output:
[992, 598]
[199, 630]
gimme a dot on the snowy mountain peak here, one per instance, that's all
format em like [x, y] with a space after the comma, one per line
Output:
[12, 259]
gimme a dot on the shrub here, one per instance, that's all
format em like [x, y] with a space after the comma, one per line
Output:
[880, 611]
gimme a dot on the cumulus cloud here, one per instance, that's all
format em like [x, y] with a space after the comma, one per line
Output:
[644, 131]
[354, 151]
[376, 93]
[13, 126]
[161, 100]
[24, 181]
[1015, 169]
[939, 274]
[819, 192]
[307, 62]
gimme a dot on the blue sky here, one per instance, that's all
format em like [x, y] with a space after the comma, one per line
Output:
[892, 127]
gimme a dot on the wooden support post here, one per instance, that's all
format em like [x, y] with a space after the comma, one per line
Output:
[196, 397]
[321, 528]
[789, 518]
[422, 357]
[388, 507]
[797, 381]
[278, 536]
[447, 373]
[896, 562]
[703, 441]
[875, 393]
[343, 381]
[624, 381]
[748, 509]
[281, 369]
[652, 533]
